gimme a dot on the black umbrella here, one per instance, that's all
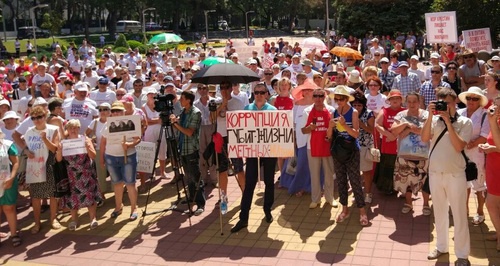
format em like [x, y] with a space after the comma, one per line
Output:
[225, 72]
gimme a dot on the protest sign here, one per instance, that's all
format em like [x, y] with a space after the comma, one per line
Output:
[441, 27]
[146, 152]
[478, 39]
[254, 134]
[123, 126]
[267, 60]
[73, 146]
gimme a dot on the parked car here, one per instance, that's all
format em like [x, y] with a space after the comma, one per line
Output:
[152, 26]
[27, 33]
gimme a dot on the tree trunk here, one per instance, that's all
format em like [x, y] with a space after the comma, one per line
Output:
[86, 12]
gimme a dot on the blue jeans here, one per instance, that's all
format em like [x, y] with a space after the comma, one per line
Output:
[121, 172]
[191, 168]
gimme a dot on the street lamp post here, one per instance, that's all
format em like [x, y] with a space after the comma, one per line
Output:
[206, 21]
[246, 21]
[33, 22]
[144, 18]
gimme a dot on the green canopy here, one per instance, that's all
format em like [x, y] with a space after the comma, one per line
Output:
[210, 61]
[165, 38]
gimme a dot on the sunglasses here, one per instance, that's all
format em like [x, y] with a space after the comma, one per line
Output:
[452, 68]
[120, 94]
[30, 105]
[103, 109]
[472, 99]
[34, 118]
[260, 92]
[268, 74]
[318, 95]
[468, 56]
[384, 63]
[338, 99]
[116, 111]
[435, 72]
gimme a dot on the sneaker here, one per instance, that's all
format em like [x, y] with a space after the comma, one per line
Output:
[478, 219]
[94, 224]
[72, 226]
[462, 262]
[198, 211]
[368, 198]
[435, 254]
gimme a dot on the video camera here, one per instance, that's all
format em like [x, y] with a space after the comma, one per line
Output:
[164, 103]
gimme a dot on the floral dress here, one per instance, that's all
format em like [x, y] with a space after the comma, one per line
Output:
[84, 188]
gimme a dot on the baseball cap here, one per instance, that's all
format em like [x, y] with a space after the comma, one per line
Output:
[103, 80]
[168, 78]
[415, 57]
[435, 55]
[80, 86]
[403, 64]
[252, 62]
[384, 59]
[118, 106]
[105, 104]
[63, 75]
[169, 84]
[39, 101]
[4, 102]
[307, 62]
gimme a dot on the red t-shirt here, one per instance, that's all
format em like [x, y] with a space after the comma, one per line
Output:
[266, 47]
[320, 147]
[390, 147]
[492, 169]
[22, 69]
[283, 103]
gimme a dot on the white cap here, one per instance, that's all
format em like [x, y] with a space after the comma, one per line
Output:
[435, 55]
[384, 59]
[105, 104]
[80, 86]
[10, 114]
[415, 57]
[39, 101]
[4, 102]
[63, 75]
[252, 62]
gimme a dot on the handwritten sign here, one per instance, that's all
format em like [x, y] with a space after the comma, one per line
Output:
[120, 126]
[145, 156]
[267, 60]
[441, 27]
[254, 134]
[73, 146]
[478, 39]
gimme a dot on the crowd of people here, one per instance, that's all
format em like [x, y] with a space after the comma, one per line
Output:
[381, 120]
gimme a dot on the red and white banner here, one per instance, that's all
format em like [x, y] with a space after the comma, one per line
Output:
[441, 27]
[478, 39]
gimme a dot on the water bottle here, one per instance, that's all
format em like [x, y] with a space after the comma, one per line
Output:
[223, 202]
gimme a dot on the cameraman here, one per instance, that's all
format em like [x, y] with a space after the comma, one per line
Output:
[447, 180]
[188, 125]
[229, 103]
[206, 131]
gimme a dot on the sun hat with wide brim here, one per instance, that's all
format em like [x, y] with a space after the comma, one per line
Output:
[341, 90]
[117, 105]
[476, 91]
[308, 85]
[394, 93]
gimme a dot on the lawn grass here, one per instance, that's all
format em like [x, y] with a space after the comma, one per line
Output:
[42, 43]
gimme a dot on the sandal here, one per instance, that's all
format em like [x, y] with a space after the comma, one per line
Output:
[478, 219]
[133, 216]
[363, 220]
[343, 216]
[72, 226]
[4, 235]
[406, 208]
[56, 225]
[299, 194]
[35, 229]
[16, 241]
[115, 214]
[426, 210]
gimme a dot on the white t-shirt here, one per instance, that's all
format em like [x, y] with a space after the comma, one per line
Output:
[234, 104]
[99, 97]
[375, 103]
[39, 80]
[379, 50]
[76, 66]
[419, 73]
[99, 128]
[23, 106]
[92, 80]
[24, 126]
[242, 96]
[84, 111]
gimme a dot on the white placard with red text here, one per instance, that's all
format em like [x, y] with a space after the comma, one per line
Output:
[478, 39]
[441, 27]
[253, 134]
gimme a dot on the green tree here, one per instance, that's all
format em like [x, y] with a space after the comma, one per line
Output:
[53, 22]
[121, 41]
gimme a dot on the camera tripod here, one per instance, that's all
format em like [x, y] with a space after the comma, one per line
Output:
[167, 131]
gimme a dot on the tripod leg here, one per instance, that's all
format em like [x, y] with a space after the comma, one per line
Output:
[158, 143]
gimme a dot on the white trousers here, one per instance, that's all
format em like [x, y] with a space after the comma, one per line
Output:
[450, 189]
[316, 164]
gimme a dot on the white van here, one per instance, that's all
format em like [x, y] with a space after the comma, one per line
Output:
[126, 26]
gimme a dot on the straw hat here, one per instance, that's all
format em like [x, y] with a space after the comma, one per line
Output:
[476, 91]
[341, 90]
[118, 106]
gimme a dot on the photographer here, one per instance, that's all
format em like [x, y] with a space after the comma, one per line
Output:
[205, 104]
[188, 125]
[447, 180]
[229, 103]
